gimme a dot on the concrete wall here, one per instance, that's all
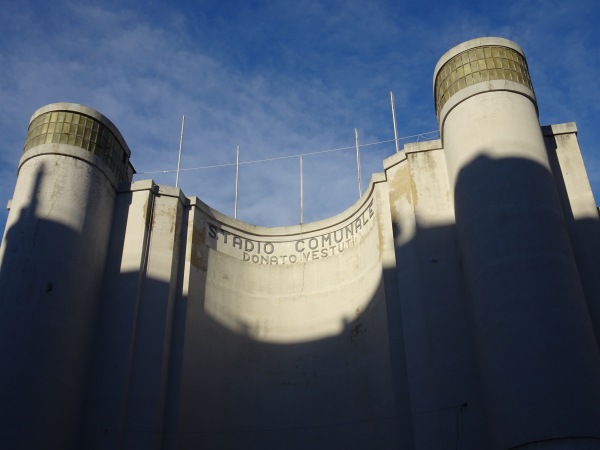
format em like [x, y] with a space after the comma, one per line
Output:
[53, 255]
[250, 336]
[442, 369]
[357, 331]
[579, 210]
[518, 261]
[455, 305]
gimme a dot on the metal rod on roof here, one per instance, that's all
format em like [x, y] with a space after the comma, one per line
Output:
[301, 191]
[237, 173]
[358, 163]
[394, 119]
[179, 157]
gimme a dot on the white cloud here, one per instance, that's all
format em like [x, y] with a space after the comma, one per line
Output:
[276, 78]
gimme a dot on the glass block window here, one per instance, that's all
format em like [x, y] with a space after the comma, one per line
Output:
[478, 65]
[67, 127]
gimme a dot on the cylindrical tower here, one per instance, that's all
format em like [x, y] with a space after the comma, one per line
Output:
[52, 260]
[539, 363]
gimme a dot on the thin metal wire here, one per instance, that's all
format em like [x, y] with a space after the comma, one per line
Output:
[277, 158]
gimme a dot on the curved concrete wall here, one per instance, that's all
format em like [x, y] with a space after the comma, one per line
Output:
[453, 306]
[304, 325]
[285, 329]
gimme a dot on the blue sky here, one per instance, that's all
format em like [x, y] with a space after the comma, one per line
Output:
[277, 78]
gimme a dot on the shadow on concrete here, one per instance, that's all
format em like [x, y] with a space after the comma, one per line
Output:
[405, 373]
[47, 310]
[202, 385]
[585, 239]
[535, 340]
[440, 351]
[401, 365]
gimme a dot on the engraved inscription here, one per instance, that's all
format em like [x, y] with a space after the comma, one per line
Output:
[310, 248]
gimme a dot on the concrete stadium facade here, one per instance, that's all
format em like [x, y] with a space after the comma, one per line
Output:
[455, 305]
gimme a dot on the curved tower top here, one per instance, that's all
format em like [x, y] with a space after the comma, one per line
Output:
[83, 127]
[479, 65]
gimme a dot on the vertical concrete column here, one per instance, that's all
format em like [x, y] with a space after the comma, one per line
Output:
[115, 339]
[149, 363]
[538, 358]
[579, 208]
[52, 262]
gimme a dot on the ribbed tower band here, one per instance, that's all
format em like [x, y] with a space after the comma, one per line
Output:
[528, 307]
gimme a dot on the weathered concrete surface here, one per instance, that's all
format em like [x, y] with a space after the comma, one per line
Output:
[579, 210]
[441, 377]
[53, 255]
[281, 333]
[453, 306]
[518, 262]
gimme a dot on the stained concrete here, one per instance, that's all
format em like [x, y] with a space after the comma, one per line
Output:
[455, 305]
